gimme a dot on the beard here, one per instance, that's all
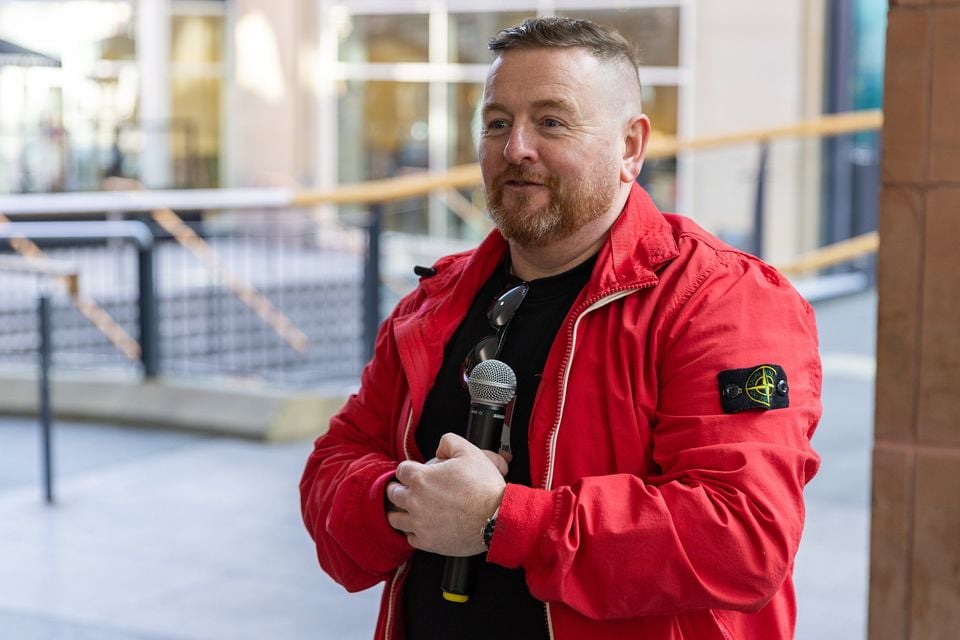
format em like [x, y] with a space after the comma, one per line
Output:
[573, 203]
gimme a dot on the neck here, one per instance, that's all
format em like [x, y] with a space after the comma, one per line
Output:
[531, 263]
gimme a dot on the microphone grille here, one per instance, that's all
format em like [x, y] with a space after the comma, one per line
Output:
[492, 382]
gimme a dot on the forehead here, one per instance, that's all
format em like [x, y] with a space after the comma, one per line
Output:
[537, 75]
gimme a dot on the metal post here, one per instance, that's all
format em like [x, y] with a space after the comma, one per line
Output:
[44, 409]
[371, 280]
[147, 309]
[758, 205]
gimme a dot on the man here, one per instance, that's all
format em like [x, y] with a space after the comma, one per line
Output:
[668, 386]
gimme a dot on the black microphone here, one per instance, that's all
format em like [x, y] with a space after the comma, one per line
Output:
[492, 385]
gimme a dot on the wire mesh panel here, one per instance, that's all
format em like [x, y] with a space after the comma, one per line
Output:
[109, 277]
[211, 319]
[210, 304]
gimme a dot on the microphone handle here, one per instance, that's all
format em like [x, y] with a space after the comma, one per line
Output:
[483, 430]
[485, 425]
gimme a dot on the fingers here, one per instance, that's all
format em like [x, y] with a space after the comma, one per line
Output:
[499, 461]
[398, 497]
[399, 520]
[452, 445]
[407, 471]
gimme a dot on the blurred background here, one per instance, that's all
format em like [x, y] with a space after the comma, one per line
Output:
[214, 203]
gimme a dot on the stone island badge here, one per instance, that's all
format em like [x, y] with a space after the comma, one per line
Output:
[763, 386]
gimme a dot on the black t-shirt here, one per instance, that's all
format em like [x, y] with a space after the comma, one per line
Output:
[501, 605]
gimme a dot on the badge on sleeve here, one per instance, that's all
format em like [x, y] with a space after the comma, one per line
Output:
[763, 386]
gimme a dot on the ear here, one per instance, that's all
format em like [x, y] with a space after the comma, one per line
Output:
[636, 135]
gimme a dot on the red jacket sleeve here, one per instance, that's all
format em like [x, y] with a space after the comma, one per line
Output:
[718, 522]
[342, 490]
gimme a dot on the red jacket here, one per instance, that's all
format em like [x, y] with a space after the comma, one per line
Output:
[654, 514]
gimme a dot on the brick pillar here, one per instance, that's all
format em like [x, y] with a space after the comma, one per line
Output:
[915, 533]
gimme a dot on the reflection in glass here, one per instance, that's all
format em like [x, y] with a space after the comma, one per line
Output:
[464, 127]
[470, 32]
[655, 31]
[195, 91]
[465, 100]
[196, 39]
[385, 38]
[659, 176]
[383, 133]
[195, 130]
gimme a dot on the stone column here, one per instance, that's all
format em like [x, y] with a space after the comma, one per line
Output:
[915, 536]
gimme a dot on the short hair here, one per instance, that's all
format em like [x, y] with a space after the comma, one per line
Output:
[602, 41]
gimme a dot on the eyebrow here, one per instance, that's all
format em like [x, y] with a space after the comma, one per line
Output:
[557, 104]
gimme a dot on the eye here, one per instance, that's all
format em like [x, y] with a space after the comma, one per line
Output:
[551, 123]
[494, 125]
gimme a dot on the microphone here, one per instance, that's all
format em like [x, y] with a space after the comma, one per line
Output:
[492, 385]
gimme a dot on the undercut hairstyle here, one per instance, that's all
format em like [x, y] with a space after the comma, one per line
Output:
[603, 42]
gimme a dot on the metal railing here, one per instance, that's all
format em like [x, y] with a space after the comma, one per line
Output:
[261, 288]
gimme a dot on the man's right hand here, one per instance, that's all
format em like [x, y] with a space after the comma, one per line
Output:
[443, 504]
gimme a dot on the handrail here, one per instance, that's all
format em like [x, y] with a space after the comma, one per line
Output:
[25, 236]
[824, 126]
[833, 254]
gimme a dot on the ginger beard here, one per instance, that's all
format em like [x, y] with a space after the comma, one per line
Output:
[573, 203]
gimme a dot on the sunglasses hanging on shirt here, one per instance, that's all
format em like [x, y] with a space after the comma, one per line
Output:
[500, 314]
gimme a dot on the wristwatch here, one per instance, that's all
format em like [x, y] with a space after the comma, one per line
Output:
[488, 528]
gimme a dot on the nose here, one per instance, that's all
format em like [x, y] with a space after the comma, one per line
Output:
[521, 146]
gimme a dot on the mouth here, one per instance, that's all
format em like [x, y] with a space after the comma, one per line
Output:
[521, 183]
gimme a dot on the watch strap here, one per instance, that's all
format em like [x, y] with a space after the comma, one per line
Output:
[488, 528]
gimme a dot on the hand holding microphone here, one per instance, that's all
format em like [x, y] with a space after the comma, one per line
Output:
[492, 385]
[441, 506]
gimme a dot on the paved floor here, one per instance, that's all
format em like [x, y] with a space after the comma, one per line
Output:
[159, 535]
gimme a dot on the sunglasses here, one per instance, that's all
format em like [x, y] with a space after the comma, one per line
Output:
[500, 314]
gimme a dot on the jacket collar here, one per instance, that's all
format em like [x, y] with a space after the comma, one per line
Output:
[639, 242]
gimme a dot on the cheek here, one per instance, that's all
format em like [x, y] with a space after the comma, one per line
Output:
[489, 150]
[487, 159]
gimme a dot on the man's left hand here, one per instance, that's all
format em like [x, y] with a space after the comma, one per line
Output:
[443, 504]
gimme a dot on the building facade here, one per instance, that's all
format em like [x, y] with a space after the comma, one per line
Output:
[188, 93]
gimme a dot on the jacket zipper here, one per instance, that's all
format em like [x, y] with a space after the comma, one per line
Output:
[400, 570]
[590, 305]
[393, 596]
[406, 433]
